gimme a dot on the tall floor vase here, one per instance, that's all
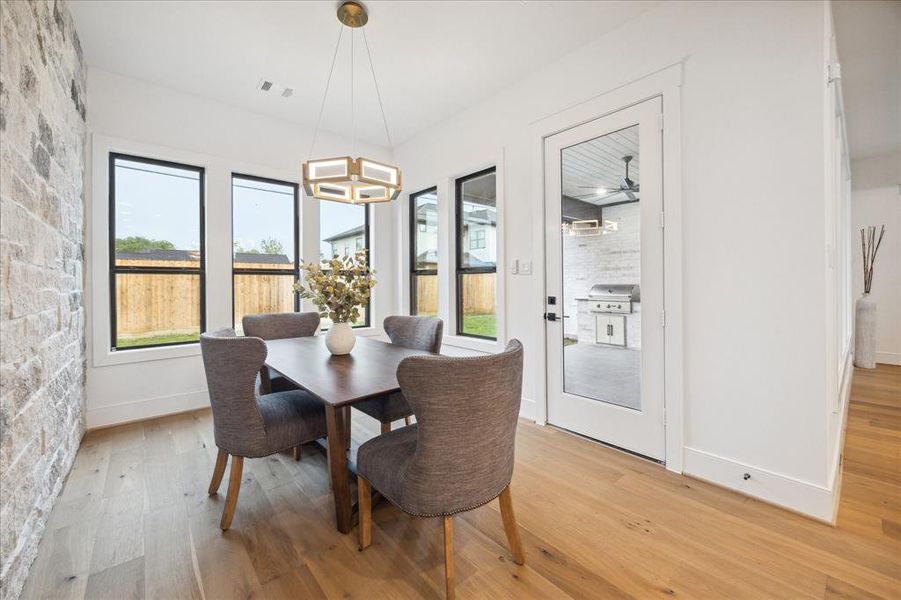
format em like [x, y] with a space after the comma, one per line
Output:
[865, 333]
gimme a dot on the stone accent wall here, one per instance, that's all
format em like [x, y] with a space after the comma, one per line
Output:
[42, 343]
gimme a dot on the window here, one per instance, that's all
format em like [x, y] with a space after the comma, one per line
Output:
[424, 253]
[264, 247]
[477, 240]
[156, 252]
[476, 235]
[340, 225]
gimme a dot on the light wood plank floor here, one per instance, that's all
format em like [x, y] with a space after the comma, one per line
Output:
[134, 520]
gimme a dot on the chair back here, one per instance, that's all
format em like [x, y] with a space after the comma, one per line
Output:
[466, 412]
[419, 333]
[231, 363]
[276, 326]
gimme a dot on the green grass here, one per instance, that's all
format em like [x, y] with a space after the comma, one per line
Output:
[155, 340]
[483, 325]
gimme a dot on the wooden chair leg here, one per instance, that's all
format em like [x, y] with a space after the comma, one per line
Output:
[346, 425]
[449, 557]
[364, 493]
[218, 471]
[234, 487]
[297, 452]
[510, 526]
[406, 420]
[386, 427]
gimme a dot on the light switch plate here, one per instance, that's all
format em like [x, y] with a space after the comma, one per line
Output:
[514, 267]
[525, 267]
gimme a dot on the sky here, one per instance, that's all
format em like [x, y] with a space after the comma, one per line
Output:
[161, 203]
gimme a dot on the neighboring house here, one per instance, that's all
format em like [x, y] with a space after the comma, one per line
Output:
[243, 260]
[347, 242]
[480, 237]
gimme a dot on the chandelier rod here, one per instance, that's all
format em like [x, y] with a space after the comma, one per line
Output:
[325, 93]
[378, 93]
[353, 116]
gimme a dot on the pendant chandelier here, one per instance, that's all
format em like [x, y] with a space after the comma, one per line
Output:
[350, 179]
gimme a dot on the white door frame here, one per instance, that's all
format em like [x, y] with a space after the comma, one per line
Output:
[665, 83]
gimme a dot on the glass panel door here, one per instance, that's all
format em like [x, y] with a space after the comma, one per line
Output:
[601, 248]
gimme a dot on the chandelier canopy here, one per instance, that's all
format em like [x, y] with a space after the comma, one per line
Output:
[354, 180]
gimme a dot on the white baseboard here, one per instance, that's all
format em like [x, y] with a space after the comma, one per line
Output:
[889, 358]
[527, 409]
[139, 410]
[794, 494]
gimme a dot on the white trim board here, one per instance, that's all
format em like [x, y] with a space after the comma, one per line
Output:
[803, 497]
[147, 408]
[666, 83]
[835, 472]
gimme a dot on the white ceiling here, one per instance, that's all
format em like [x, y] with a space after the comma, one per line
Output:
[598, 164]
[868, 35]
[433, 59]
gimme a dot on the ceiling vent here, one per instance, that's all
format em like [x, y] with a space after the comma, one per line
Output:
[270, 87]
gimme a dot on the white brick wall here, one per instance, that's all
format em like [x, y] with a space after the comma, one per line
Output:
[42, 344]
[611, 258]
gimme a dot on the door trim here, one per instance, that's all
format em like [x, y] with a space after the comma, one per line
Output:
[665, 83]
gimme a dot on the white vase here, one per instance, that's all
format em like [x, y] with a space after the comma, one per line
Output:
[865, 332]
[340, 338]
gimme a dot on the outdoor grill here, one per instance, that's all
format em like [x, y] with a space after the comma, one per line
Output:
[613, 297]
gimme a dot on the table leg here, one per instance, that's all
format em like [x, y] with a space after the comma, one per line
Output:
[338, 471]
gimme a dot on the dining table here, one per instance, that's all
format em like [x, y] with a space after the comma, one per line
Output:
[339, 381]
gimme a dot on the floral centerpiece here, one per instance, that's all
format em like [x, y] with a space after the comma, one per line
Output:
[339, 288]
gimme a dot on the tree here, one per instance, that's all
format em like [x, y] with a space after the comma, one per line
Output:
[272, 246]
[137, 243]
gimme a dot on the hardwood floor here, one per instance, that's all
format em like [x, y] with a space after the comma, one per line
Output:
[135, 520]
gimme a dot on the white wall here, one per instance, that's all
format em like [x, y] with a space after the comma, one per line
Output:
[876, 200]
[754, 179]
[146, 119]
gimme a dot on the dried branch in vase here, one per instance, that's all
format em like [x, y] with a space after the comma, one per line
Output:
[338, 287]
[869, 246]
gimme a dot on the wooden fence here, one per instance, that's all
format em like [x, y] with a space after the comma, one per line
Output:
[478, 294]
[162, 304]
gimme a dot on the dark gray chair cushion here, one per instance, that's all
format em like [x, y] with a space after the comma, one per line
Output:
[277, 326]
[459, 455]
[291, 416]
[421, 333]
[245, 424]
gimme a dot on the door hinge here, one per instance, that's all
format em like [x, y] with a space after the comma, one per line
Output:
[663, 318]
[660, 121]
[662, 220]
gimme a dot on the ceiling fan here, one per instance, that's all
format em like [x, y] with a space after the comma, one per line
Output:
[627, 186]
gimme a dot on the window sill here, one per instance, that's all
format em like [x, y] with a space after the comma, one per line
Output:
[106, 357]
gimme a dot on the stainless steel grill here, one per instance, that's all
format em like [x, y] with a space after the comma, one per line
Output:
[613, 297]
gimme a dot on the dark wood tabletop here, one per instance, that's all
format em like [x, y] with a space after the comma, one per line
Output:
[369, 370]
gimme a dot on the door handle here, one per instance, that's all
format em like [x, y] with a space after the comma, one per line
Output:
[554, 317]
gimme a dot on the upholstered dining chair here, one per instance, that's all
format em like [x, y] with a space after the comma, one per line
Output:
[245, 424]
[419, 333]
[459, 453]
[276, 326]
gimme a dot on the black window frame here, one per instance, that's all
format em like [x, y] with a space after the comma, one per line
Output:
[458, 250]
[414, 272]
[282, 272]
[115, 269]
[366, 246]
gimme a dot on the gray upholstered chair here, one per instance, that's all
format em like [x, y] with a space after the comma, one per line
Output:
[247, 425]
[420, 333]
[276, 326]
[459, 454]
